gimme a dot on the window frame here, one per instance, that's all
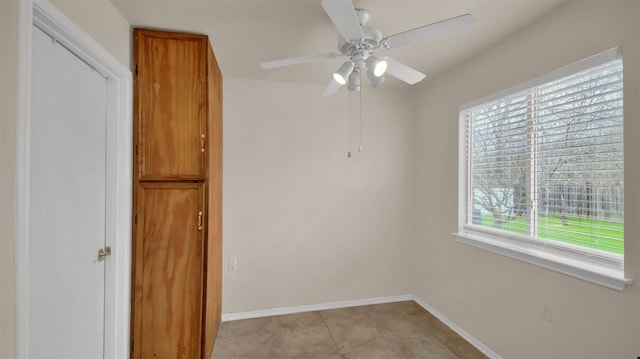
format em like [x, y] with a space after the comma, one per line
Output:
[594, 266]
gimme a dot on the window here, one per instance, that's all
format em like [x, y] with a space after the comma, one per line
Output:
[542, 171]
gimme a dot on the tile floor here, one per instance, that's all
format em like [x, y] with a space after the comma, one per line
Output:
[401, 330]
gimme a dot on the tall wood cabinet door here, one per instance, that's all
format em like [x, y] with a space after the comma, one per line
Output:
[170, 105]
[169, 270]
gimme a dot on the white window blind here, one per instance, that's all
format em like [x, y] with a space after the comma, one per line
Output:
[543, 169]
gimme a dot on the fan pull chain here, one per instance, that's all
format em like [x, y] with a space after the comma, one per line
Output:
[349, 129]
[360, 125]
[350, 124]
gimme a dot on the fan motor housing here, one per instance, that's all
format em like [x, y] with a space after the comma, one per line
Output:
[369, 43]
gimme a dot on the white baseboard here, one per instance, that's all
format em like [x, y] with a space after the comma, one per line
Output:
[473, 341]
[354, 303]
[314, 307]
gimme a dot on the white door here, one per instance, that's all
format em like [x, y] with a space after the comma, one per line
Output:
[66, 282]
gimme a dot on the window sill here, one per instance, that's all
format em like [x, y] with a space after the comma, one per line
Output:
[585, 271]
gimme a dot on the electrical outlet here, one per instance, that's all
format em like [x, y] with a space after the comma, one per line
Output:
[547, 312]
[233, 263]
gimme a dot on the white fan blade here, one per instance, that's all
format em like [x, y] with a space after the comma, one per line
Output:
[298, 60]
[403, 72]
[344, 18]
[439, 30]
[332, 88]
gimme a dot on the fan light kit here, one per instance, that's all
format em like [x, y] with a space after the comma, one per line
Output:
[358, 41]
[344, 72]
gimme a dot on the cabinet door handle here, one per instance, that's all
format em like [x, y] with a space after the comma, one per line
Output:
[202, 143]
[200, 220]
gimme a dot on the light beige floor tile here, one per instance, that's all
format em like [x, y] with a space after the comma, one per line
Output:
[292, 321]
[307, 341]
[254, 347]
[346, 313]
[406, 307]
[266, 325]
[225, 329]
[298, 356]
[353, 334]
[402, 330]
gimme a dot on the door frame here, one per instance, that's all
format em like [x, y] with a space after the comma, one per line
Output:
[118, 165]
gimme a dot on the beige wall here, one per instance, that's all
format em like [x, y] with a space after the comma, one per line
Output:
[496, 299]
[8, 63]
[103, 23]
[307, 224]
[310, 226]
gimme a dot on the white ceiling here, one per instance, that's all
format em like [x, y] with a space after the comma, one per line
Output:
[245, 33]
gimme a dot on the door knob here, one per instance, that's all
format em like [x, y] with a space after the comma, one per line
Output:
[103, 253]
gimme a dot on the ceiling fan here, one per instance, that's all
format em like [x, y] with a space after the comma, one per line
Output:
[358, 41]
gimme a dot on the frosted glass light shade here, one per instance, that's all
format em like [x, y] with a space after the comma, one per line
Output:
[343, 73]
[377, 66]
[354, 81]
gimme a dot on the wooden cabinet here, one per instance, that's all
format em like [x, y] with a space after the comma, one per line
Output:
[170, 269]
[172, 92]
[177, 236]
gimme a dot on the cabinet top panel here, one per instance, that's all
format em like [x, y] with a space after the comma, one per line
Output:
[171, 104]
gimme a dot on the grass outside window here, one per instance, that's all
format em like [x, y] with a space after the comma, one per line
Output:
[590, 233]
